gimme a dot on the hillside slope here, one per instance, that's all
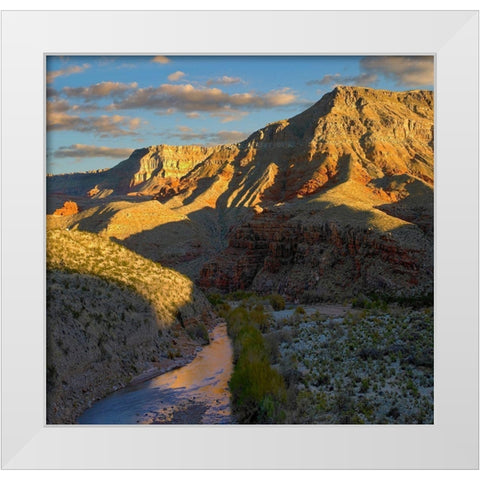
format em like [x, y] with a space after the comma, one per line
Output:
[111, 315]
[153, 230]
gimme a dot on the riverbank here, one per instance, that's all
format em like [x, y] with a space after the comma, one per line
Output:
[337, 364]
[194, 393]
[188, 350]
[177, 346]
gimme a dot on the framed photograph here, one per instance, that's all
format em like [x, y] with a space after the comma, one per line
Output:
[262, 248]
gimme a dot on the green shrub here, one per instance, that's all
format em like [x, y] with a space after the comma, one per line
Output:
[259, 318]
[272, 344]
[277, 301]
[365, 385]
[258, 391]
[361, 302]
[215, 299]
[239, 295]
[222, 309]
[199, 332]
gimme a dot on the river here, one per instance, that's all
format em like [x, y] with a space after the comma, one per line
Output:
[194, 394]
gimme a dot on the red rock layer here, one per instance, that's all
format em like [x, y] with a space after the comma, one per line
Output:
[275, 253]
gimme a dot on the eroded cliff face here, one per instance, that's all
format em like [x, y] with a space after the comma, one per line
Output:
[145, 172]
[166, 162]
[322, 261]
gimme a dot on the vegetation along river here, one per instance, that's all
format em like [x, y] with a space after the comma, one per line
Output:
[193, 394]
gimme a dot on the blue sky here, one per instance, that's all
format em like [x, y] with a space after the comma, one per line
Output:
[101, 108]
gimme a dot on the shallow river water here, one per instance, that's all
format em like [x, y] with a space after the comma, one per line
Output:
[195, 393]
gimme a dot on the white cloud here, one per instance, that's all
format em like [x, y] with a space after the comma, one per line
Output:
[408, 71]
[99, 90]
[187, 134]
[339, 79]
[79, 150]
[161, 59]
[174, 77]
[103, 125]
[225, 80]
[229, 115]
[188, 98]
[51, 76]
[405, 71]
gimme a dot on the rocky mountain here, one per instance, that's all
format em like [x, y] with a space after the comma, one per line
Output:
[145, 172]
[335, 201]
[351, 134]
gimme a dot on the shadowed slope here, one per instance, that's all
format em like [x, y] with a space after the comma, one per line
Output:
[171, 294]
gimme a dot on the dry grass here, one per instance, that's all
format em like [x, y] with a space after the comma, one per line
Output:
[170, 293]
[119, 219]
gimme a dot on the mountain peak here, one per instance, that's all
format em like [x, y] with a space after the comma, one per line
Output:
[352, 132]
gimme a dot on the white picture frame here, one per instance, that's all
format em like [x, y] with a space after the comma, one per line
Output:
[452, 442]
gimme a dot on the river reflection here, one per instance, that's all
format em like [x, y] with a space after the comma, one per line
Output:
[195, 393]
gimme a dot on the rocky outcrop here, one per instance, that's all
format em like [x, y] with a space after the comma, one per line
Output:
[320, 261]
[69, 208]
[146, 171]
